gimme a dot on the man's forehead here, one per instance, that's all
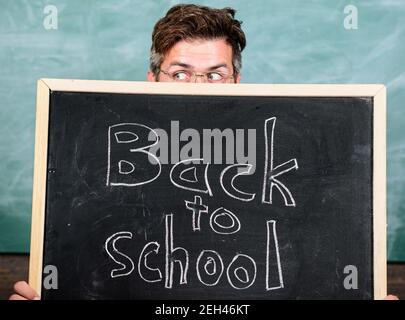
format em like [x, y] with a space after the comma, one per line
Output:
[209, 54]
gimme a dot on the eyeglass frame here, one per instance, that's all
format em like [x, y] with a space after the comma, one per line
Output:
[195, 75]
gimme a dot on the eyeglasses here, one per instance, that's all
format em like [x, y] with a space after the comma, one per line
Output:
[191, 76]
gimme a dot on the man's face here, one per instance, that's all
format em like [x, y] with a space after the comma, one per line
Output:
[199, 56]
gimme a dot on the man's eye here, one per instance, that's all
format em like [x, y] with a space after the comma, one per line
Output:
[180, 76]
[215, 76]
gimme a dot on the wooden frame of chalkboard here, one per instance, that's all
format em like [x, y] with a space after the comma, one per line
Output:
[46, 87]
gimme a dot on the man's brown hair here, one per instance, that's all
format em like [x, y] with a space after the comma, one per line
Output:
[189, 22]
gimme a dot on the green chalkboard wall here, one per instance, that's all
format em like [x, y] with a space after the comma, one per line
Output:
[290, 41]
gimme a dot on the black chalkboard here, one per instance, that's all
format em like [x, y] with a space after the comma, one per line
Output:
[119, 225]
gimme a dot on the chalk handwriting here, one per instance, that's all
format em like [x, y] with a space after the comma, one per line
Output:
[197, 207]
[179, 169]
[227, 180]
[115, 254]
[135, 135]
[131, 164]
[241, 272]
[271, 172]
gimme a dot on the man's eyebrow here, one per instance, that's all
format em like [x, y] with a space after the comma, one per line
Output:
[221, 65]
[188, 66]
[180, 64]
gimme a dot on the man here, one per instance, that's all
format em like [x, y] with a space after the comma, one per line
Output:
[190, 44]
